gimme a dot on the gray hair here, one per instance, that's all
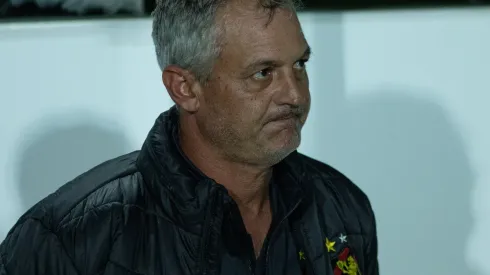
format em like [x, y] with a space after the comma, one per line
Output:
[185, 32]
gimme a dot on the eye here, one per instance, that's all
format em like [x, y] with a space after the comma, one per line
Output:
[301, 64]
[263, 74]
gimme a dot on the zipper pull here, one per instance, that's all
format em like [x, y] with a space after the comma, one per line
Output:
[252, 271]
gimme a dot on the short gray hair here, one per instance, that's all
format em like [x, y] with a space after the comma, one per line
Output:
[185, 32]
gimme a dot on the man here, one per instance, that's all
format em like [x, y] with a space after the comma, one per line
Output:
[217, 187]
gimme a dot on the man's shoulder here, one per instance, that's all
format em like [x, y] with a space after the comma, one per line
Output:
[108, 184]
[331, 183]
[81, 214]
[330, 176]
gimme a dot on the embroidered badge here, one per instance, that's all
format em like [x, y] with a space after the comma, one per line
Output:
[346, 264]
[330, 245]
[343, 238]
[302, 255]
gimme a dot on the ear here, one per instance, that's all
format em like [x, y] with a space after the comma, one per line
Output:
[182, 87]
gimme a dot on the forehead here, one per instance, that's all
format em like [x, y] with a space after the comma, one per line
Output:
[250, 32]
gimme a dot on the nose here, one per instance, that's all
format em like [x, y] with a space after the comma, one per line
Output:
[293, 90]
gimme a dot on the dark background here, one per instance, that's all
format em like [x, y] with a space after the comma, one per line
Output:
[31, 11]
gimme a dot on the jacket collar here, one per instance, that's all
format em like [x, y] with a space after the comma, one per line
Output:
[172, 177]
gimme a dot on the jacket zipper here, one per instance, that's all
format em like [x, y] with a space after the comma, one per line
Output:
[305, 234]
[207, 234]
[274, 234]
[250, 267]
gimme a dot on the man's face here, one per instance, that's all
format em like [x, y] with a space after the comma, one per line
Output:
[257, 99]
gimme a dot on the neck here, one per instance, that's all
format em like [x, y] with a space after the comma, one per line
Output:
[248, 185]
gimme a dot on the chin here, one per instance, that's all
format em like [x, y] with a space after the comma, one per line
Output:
[280, 150]
[278, 142]
[288, 140]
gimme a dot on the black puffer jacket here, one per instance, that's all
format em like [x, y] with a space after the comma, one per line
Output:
[153, 212]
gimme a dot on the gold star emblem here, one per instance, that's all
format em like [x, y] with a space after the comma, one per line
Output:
[302, 255]
[330, 245]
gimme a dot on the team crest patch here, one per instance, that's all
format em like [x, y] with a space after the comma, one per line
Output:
[343, 260]
[346, 264]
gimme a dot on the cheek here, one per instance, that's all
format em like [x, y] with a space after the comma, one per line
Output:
[305, 85]
[243, 117]
[239, 107]
[305, 91]
[217, 97]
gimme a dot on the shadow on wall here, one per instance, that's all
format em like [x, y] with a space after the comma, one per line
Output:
[61, 153]
[409, 158]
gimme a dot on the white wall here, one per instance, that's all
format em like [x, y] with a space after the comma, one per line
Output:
[416, 92]
[398, 106]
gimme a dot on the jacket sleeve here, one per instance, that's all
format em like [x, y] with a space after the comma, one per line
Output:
[371, 253]
[32, 249]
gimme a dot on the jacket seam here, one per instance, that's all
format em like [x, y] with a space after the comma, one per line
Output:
[123, 205]
[58, 239]
[117, 178]
[363, 232]
[113, 180]
[372, 228]
[2, 264]
[61, 224]
[122, 267]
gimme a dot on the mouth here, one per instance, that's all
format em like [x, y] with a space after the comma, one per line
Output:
[285, 121]
[285, 117]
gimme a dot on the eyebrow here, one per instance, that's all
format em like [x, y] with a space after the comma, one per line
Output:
[273, 63]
